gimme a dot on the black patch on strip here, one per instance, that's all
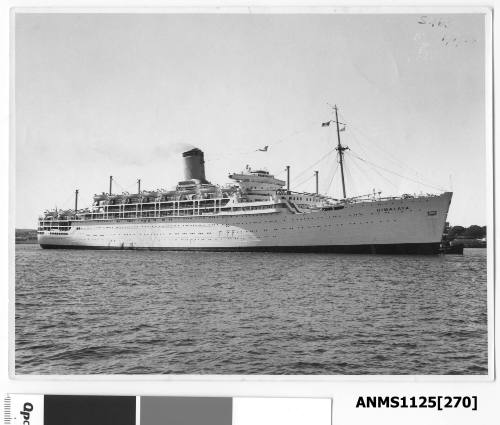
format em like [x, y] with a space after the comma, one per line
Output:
[88, 410]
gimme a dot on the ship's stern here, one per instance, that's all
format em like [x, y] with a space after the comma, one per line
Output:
[54, 232]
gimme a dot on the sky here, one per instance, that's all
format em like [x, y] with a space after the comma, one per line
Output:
[125, 94]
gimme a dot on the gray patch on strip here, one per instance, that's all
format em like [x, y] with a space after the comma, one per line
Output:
[186, 410]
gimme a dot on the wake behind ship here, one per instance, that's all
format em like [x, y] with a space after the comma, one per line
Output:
[254, 213]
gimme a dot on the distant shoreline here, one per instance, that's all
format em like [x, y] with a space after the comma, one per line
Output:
[26, 236]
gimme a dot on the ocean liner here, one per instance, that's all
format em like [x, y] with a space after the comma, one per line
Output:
[257, 212]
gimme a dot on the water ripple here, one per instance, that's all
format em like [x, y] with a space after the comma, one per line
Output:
[136, 312]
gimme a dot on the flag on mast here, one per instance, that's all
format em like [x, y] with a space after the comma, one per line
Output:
[325, 124]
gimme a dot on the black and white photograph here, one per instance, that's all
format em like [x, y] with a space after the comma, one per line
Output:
[265, 193]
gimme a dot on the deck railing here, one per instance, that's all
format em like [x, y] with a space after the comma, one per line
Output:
[182, 208]
[153, 210]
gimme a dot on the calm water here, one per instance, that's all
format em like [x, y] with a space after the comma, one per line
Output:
[81, 312]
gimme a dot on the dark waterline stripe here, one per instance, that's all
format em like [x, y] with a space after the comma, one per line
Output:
[403, 249]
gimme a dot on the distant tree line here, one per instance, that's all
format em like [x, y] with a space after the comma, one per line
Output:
[472, 232]
[26, 236]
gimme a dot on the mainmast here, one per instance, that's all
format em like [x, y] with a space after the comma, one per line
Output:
[340, 149]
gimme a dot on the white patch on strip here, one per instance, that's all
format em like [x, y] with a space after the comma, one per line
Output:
[138, 410]
[282, 411]
[26, 409]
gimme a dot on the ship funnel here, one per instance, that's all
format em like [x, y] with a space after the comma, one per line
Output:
[194, 165]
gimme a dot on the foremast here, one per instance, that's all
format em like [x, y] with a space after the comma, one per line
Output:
[340, 149]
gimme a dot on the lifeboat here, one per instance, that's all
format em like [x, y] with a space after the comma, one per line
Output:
[146, 194]
[101, 197]
[132, 199]
[167, 195]
[208, 188]
[149, 196]
[116, 199]
[186, 185]
[187, 189]
[64, 214]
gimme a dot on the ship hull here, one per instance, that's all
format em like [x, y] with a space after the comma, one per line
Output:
[400, 249]
[394, 226]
